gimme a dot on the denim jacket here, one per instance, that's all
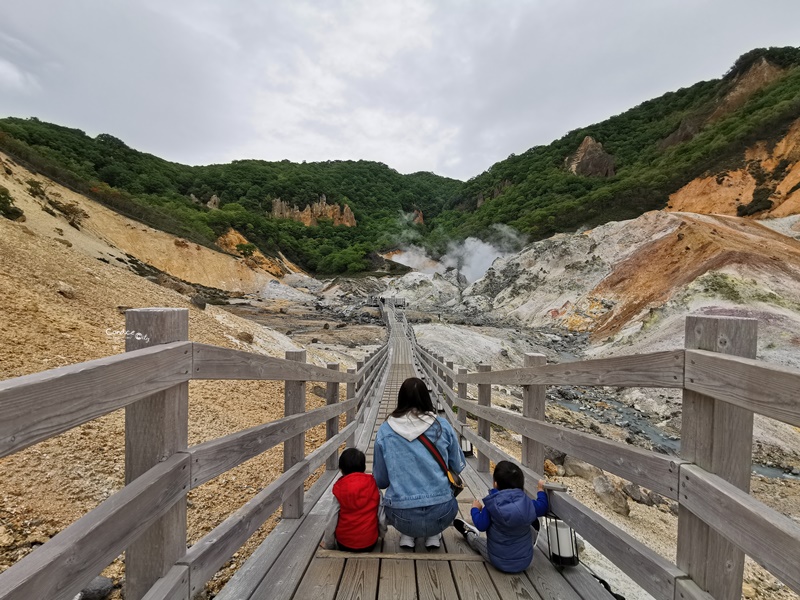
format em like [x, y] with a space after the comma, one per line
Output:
[407, 469]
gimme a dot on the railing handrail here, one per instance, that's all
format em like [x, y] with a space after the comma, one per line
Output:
[69, 396]
[733, 379]
[748, 383]
[39, 406]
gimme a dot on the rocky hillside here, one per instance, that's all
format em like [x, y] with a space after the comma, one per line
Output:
[74, 221]
[651, 156]
[767, 184]
[625, 280]
[69, 268]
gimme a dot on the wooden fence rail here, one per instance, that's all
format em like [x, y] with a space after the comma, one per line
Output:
[709, 371]
[42, 405]
[36, 407]
[707, 481]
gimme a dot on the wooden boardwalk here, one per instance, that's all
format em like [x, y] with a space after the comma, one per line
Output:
[719, 522]
[304, 571]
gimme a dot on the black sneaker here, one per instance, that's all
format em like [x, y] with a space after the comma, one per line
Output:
[464, 528]
[461, 526]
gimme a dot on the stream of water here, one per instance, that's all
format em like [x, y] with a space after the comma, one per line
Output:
[637, 424]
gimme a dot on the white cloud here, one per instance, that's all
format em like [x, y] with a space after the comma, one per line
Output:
[449, 86]
[14, 79]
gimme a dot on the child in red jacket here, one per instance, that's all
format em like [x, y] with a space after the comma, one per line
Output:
[357, 526]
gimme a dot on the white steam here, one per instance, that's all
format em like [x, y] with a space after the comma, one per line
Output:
[472, 257]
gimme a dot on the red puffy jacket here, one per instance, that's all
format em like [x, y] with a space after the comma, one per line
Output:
[358, 498]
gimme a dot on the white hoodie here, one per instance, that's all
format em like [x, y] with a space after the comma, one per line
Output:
[412, 424]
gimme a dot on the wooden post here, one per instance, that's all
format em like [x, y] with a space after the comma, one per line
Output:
[351, 413]
[360, 382]
[449, 382]
[440, 373]
[484, 426]
[155, 428]
[449, 379]
[533, 405]
[462, 393]
[294, 449]
[717, 437]
[332, 425]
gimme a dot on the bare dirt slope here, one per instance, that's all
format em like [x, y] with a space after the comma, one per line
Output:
[722, 193]
[105, 234]
[59, 306]
[697, 245]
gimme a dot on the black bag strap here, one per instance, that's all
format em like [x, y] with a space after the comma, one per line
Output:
[434, 452]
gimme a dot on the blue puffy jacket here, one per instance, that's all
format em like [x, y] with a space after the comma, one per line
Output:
[506, 518]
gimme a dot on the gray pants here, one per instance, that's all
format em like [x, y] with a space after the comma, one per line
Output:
[478, 543]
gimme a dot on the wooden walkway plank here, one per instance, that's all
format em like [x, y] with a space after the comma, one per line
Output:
[473, 581]
[397, 580]
[321, 580]
[547, 580]
[435, 581]
[406, 555]
[359, 580]
[513, 586]
[391, 541]
[283, 578]
[579, 578]
[249, 575]
[587, 586]
[455, 542]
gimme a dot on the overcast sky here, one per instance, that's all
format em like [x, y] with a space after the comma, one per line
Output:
[445, 86]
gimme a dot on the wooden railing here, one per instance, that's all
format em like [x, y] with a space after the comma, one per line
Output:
[147, 518]
[718, 521]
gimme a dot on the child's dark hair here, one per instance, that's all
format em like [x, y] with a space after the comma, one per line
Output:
[508, 476]
[352, 460]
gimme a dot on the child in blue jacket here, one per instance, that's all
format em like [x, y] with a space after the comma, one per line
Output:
[506, 518]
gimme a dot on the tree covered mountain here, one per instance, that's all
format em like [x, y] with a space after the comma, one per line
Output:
[645, 154]
[657, 147]
[174, 197]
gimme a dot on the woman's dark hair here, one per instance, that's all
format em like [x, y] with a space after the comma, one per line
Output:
[413, 396]
[508, 476]
[352, 460]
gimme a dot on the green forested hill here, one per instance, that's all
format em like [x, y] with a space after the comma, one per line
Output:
[159, 193]
[533, 192]
[536, 194]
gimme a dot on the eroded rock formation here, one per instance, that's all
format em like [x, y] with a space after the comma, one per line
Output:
[311, 214]
[761, 74]
[230, 242]
[590, 160]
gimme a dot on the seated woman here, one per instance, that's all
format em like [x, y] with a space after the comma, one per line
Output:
[418, 501]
